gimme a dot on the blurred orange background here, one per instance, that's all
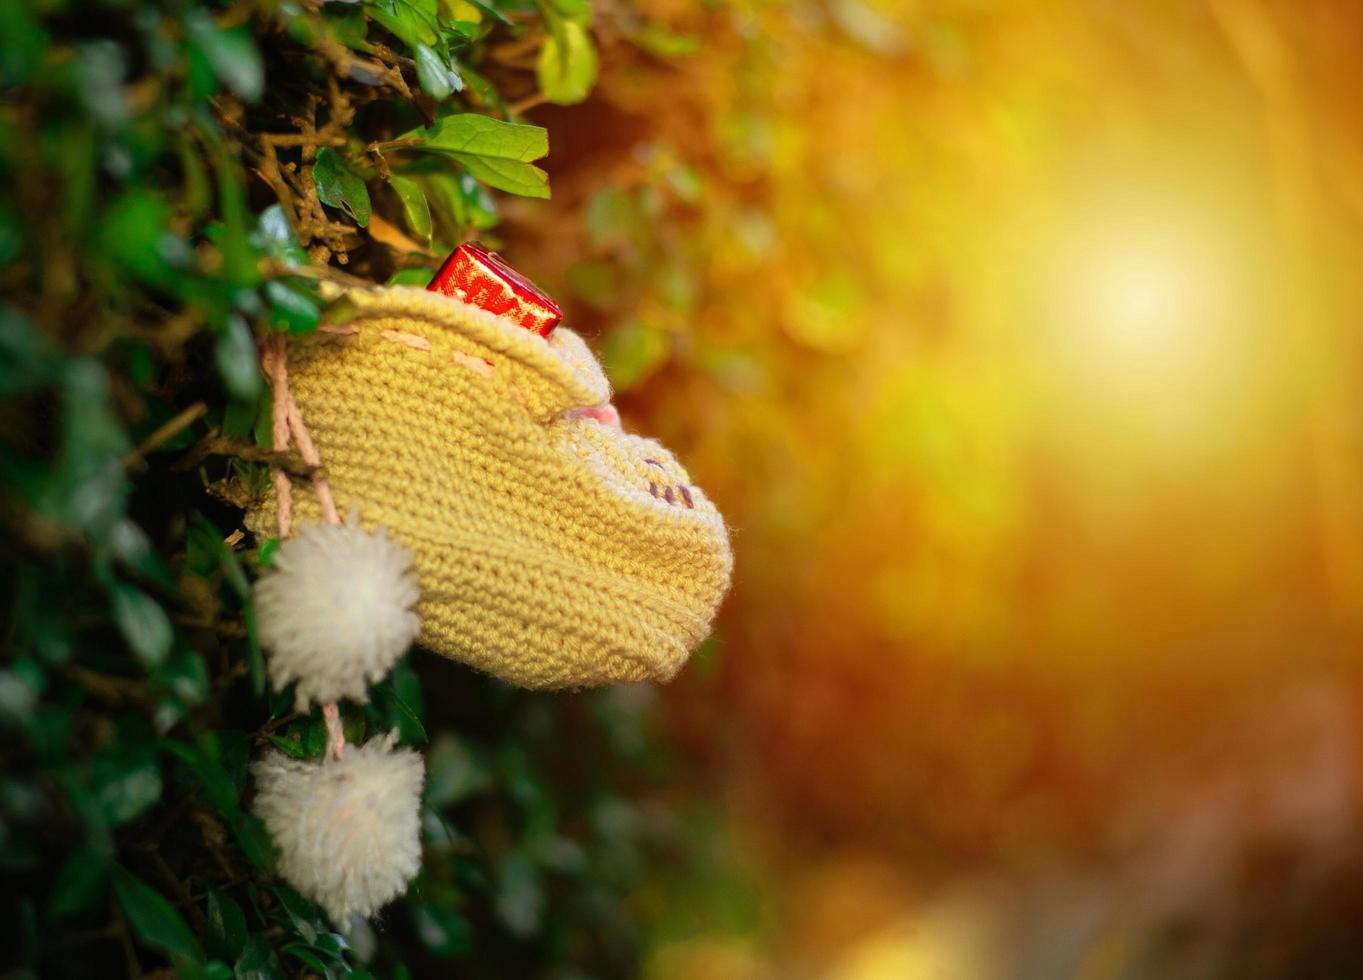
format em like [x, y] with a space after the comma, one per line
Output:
[1018, 342]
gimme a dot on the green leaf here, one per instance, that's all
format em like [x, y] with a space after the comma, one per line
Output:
[454, 771]
[331, 945]
[253, 839]
[341, 187]
[263, 430]
[27, 357]
[134, 236]
[567, 63]
[520, 899]
[414, 276]
[232, 53]
[596, 281]
[143, 623]
[238, 417]
[315, 741]
[305, 917]
[491, 8]
[351, 29]
[301, 952]
[394, 711]
[258, 961]
[415, 205]
[186, 675]
[226, 935]
[578, 10]
[122, 788]
[79, 883]
[275, 237]
[495, 152]
[412, 21]
[442, 930]
[437, 78]
[23, 42]
[353, 723]
[206, 552]
[240, 262]
[153, 919]
[632, 352]
[265, 558]
[291, 747]
[658, 40]
[219, 790]
[237, 361]
[291, 308]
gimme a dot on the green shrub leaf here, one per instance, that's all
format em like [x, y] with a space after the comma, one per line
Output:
[442, 930]
[341, 187]
[232, 53]
[438, 79]
[143, 623]
[226, 935]
[258, 961]
[79, 884]
[495, 152]
[237, 360]
[567, 63]
[153, 919]
[414, 205]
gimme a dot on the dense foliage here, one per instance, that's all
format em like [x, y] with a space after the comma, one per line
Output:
[175, 179]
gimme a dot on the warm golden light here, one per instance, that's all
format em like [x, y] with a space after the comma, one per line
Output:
[1148, 290]
[1151, 301]
[1141, 297]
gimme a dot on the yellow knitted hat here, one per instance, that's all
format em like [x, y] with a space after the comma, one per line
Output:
[552, 550]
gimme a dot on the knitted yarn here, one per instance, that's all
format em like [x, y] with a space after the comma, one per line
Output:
[552, 550]
[349, 829]
[335, 611]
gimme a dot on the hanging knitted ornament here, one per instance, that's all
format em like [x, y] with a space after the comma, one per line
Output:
[347, 829]
[553, 549]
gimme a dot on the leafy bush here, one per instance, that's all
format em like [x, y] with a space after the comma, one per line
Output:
[175, 180]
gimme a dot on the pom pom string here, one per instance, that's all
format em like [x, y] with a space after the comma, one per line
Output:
[285, 418]
[273, 363]
[313, 458]
[335, 733]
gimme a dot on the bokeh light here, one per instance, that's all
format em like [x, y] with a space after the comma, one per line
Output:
[1014, 339]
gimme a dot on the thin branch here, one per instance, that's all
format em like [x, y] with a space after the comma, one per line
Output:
[216, 444]
[164, 433]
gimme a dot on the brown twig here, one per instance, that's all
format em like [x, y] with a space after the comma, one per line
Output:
[527, 103]
[112, 690]
[163, 434]
[216, 444]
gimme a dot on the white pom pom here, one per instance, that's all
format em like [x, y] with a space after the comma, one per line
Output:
[335, 611]
[348, 830]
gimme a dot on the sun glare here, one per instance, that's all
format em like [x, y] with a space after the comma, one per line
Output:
[1144, 297]
[1152, 296]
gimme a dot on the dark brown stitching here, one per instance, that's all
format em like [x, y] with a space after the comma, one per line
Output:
[654, 462]
[653, 488]
[668, 494]
[686, 495]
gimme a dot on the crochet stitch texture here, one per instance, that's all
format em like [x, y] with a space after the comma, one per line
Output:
[551, 550]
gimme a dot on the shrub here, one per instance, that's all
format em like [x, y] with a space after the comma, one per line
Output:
[175, 180]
